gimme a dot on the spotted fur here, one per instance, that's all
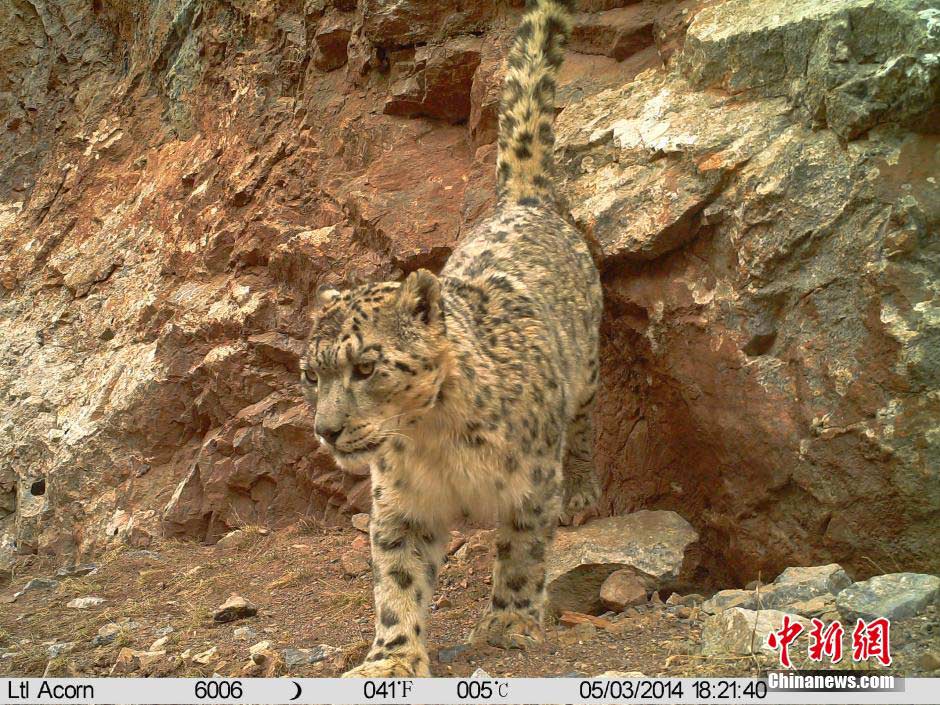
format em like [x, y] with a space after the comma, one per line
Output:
[524, 164]
[470, 393]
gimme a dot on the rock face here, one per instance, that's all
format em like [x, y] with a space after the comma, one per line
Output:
[178, 177]
[798, 589]
[747, 246]
[895, 596]
[653, 546]
[741, 632]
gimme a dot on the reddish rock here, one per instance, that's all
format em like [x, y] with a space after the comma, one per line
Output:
[436, 82]
[407, 22]
[484, 94]
[622, 589]
[361, 522]
[332, 38]
[615, 33]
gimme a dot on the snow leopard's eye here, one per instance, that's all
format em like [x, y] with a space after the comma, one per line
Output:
[363, 370]
[310, 377]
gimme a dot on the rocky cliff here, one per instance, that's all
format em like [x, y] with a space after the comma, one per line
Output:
[760, 177]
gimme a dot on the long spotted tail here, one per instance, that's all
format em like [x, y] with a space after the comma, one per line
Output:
[525, 164]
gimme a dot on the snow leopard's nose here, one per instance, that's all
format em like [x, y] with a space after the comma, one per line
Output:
[330, 433]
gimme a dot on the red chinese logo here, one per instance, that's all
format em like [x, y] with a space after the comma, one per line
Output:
[782, 638]
[826, 641]
[872, 640]
[869, 640]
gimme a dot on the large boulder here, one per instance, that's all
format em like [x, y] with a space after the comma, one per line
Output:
[794, 586]
[655, 546]
[895, 596]
[850, 64]
[742, 632]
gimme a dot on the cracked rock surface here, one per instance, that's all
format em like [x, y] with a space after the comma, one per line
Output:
[178, 176]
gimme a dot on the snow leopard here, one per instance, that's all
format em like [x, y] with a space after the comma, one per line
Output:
[470, 392]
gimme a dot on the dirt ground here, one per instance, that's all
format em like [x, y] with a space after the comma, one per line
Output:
[299, 580]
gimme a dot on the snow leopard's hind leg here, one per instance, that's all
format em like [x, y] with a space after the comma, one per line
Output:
[580, 489]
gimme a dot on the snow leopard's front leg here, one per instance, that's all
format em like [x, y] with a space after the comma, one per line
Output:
[406, 556]
[513, 619]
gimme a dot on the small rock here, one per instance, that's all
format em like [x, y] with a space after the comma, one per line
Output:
[728, 599]
[235, 607]
[56, 650]
[244, 633]
[652, 543]
[477, 544]
[457, 539]
[655, 599]
[800, 584]
[753, 585]
[442, 602]
[40, 584]
[130, 660]
[361, 522]
[361, 543]
[621, 674]
[233, 540]
[260, 646]
[895, 596]
[159, 643]
[208, 656]
[163, 631]
[263, 657]
[692, 600]
[480, 673]
[622, 589]
[815, 606]
[572, 619]
[735, 631]
[929, 661]
[683, 612]
[305, 657]
[354, 563]
[827, 578]
[76, 571]
[83, 603]
[451, 653]
[106, 634]
[577, 634]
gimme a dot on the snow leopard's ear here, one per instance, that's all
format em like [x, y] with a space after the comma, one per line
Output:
[420, 296]
[327, 294]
